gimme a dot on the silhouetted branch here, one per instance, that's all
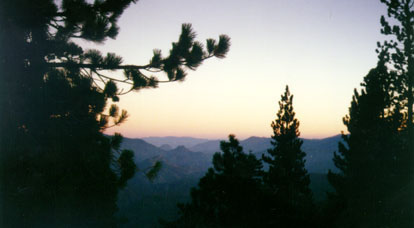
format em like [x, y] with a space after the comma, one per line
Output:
[96, 66]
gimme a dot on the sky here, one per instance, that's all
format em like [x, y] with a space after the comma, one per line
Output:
[322, 49]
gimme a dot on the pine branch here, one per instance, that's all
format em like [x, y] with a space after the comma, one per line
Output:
[147, 67]
[96, 66]
[126, 81]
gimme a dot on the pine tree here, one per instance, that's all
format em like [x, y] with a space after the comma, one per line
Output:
[376, 159]
[290, 199]
[229, 194]
[371, 186]
[400, 25]
[57, 166]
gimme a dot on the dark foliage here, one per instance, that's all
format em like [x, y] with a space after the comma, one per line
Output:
[289, 199]
[399, 24]
[375, 182]
[57, 168]
[374, 162]
[64, 171]
[229, 193]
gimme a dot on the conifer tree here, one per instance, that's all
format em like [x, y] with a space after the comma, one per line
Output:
[372, 187]
[57, 166]
[376, 158]
[400, 25]
[229, 193]
[287, 181]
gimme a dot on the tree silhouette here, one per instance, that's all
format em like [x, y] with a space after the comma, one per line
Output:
[376, 160]
[371, 187]
[400, 25]
[287, 181]
[57, 167]
[228, 195]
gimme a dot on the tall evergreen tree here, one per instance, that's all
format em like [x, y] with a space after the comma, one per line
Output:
[376, 160]
[229, 194]
[290, 199]
[372, 186]
[400, 26]
[57, 167]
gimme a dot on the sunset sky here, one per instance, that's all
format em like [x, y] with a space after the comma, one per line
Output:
[320, 48]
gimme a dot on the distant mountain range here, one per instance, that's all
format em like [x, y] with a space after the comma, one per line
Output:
[185, 160]
[174, 141]
[318, 160]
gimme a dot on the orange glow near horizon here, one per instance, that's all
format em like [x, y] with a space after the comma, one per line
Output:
[322, 49]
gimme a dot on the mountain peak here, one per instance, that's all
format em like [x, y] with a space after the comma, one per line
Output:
[182, 148]
[166, 147]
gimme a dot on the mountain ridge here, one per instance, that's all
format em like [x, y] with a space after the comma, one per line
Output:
[174, 141]
[182, 167]
[319, 152]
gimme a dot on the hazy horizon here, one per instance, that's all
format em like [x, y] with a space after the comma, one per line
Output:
[224, 138]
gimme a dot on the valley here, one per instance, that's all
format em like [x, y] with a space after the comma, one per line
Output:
[185, 160]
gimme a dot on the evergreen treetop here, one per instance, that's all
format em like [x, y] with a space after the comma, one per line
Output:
[399, 24]
[286, 158]
[373, 160]
[229, 193]
[287, 181]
